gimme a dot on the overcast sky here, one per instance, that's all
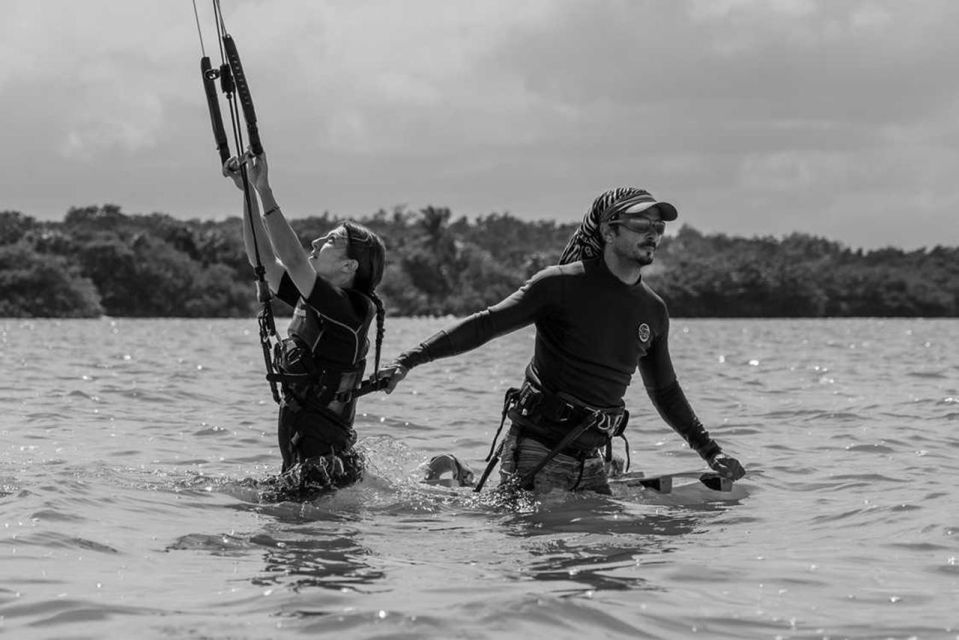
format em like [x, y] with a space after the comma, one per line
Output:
[754, 117]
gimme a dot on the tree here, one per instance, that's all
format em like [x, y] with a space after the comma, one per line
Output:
[14, 225]
[35, 285]
[103, 260]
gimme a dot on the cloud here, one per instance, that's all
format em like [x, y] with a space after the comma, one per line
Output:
[737, 109]
[115, 112]
[104, 69]
[378, 77]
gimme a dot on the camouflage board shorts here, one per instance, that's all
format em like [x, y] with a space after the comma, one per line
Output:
[521, 455]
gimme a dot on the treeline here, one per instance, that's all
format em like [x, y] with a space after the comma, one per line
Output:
[101, 261]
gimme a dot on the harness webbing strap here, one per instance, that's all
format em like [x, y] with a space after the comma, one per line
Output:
[305, 378]
[510, 398]
[512, 394]
[626, 444]
[611, 425]
[579, 477]
[576, 432]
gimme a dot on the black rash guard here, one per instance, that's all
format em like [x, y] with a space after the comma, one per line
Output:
[592, 331]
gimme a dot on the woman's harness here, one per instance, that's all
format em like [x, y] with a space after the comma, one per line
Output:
[529, 407]
[306, 383]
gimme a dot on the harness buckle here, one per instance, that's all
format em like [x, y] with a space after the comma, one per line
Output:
[527, 399]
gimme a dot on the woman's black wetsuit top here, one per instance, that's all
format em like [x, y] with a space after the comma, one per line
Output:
[328, 334]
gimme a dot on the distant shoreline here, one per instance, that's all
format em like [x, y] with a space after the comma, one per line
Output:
[100, 261]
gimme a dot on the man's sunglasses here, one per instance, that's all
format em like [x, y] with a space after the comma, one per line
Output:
[642, 225]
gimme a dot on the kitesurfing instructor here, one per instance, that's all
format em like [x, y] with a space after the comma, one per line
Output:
[596, 321]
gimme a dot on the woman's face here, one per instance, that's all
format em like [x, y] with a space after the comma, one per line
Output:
[330, 252]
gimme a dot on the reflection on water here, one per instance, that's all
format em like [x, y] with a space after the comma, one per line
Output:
[583, 540]
[590, 566]
[307, 544]
[595, 542]
[313, 558]
[318, 559]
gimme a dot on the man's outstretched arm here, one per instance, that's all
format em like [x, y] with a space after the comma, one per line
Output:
[518, 310]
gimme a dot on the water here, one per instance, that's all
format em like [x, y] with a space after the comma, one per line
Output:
[124, 445]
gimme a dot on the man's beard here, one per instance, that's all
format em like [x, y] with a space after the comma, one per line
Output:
[630, 255]
[646, 259]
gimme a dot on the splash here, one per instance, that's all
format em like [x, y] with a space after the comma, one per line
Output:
[313, 478]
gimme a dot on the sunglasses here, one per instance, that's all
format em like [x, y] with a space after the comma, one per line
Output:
[642, 225]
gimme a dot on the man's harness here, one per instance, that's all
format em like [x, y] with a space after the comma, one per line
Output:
[530, 405]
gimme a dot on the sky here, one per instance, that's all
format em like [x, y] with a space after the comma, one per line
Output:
[836, 118]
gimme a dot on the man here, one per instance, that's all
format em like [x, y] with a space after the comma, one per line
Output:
[596, 321]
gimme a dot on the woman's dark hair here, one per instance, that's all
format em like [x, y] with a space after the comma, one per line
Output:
[368, 250]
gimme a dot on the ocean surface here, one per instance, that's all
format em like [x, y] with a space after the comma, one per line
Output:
[129, 450]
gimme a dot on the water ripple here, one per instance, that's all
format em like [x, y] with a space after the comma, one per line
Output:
[131, 452]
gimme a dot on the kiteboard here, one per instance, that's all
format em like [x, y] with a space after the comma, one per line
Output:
[448, 471]
[663, 483]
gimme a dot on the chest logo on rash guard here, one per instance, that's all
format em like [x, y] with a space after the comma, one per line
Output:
[644, 332]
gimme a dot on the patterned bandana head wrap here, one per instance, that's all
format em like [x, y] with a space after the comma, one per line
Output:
[586, 242]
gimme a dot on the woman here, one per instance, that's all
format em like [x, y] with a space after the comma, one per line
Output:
[321, 362]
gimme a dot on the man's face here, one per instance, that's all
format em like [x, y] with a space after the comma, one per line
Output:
[635, 238]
